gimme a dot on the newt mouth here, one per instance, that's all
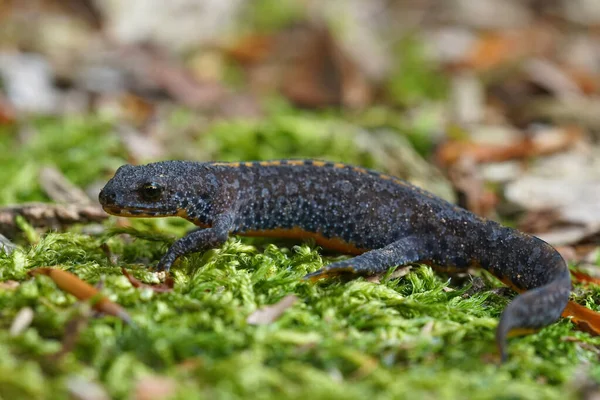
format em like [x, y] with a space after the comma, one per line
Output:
[136, 212]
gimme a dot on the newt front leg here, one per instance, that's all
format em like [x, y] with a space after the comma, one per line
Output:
[198, 240]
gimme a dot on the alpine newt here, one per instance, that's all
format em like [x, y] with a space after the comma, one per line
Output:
[383, 220]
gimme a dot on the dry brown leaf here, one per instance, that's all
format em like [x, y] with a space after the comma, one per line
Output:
[136, 109]
[493, 49]
[180, 83]
[166, 286]
[269, 314]
[469, 186]
[542, 144]
[83, 291]
[539, 221]
[155, 388]
[252, 49]
[551, 78]
[320, 74]
[562, 195]
[583, 277]
[7, 112]
[159, 71]
[585, 319]
[9, 285]
[140, 147]
[588, 82]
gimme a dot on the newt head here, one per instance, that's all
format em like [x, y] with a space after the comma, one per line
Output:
[153, 190]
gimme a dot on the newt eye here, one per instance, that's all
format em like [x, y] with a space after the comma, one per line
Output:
[151, 191]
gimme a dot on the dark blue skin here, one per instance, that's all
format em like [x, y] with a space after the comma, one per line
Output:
[385, 220]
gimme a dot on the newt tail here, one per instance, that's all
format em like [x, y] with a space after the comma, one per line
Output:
[383, 220]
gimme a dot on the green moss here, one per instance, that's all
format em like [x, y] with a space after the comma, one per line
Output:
[82, 148]
[271, 15]
[288, 135]
[414, 79]
[402, 338]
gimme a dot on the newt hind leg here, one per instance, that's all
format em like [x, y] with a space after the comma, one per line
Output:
[404, 251]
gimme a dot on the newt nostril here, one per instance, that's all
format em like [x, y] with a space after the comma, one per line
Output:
[107, 197]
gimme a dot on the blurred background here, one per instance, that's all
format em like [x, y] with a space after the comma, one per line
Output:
[491, 104]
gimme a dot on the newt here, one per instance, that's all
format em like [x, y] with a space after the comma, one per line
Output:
[382, 220]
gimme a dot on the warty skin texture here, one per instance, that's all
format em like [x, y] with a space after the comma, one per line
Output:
[383, 220]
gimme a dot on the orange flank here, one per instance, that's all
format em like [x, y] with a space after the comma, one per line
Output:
[339, 165]
[521, 332]
[317, 163]
[336, 244]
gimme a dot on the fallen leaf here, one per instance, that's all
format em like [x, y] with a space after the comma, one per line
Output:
[7, 112]
[587, 82]
[320, 74]
[581, 110]
[470, 189]
[160, 71]
[269, 314]
[543, 143]
[585, 319]
[166, 286]
[83, 291]
[539, 221]
[568, 253]
[136, 109]
[493, 49]
[175, 79]
[155, 388]
[140, 146]
[566, 189]
[583, 277]
[252, 49]
[552, 78]
[9, 285]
